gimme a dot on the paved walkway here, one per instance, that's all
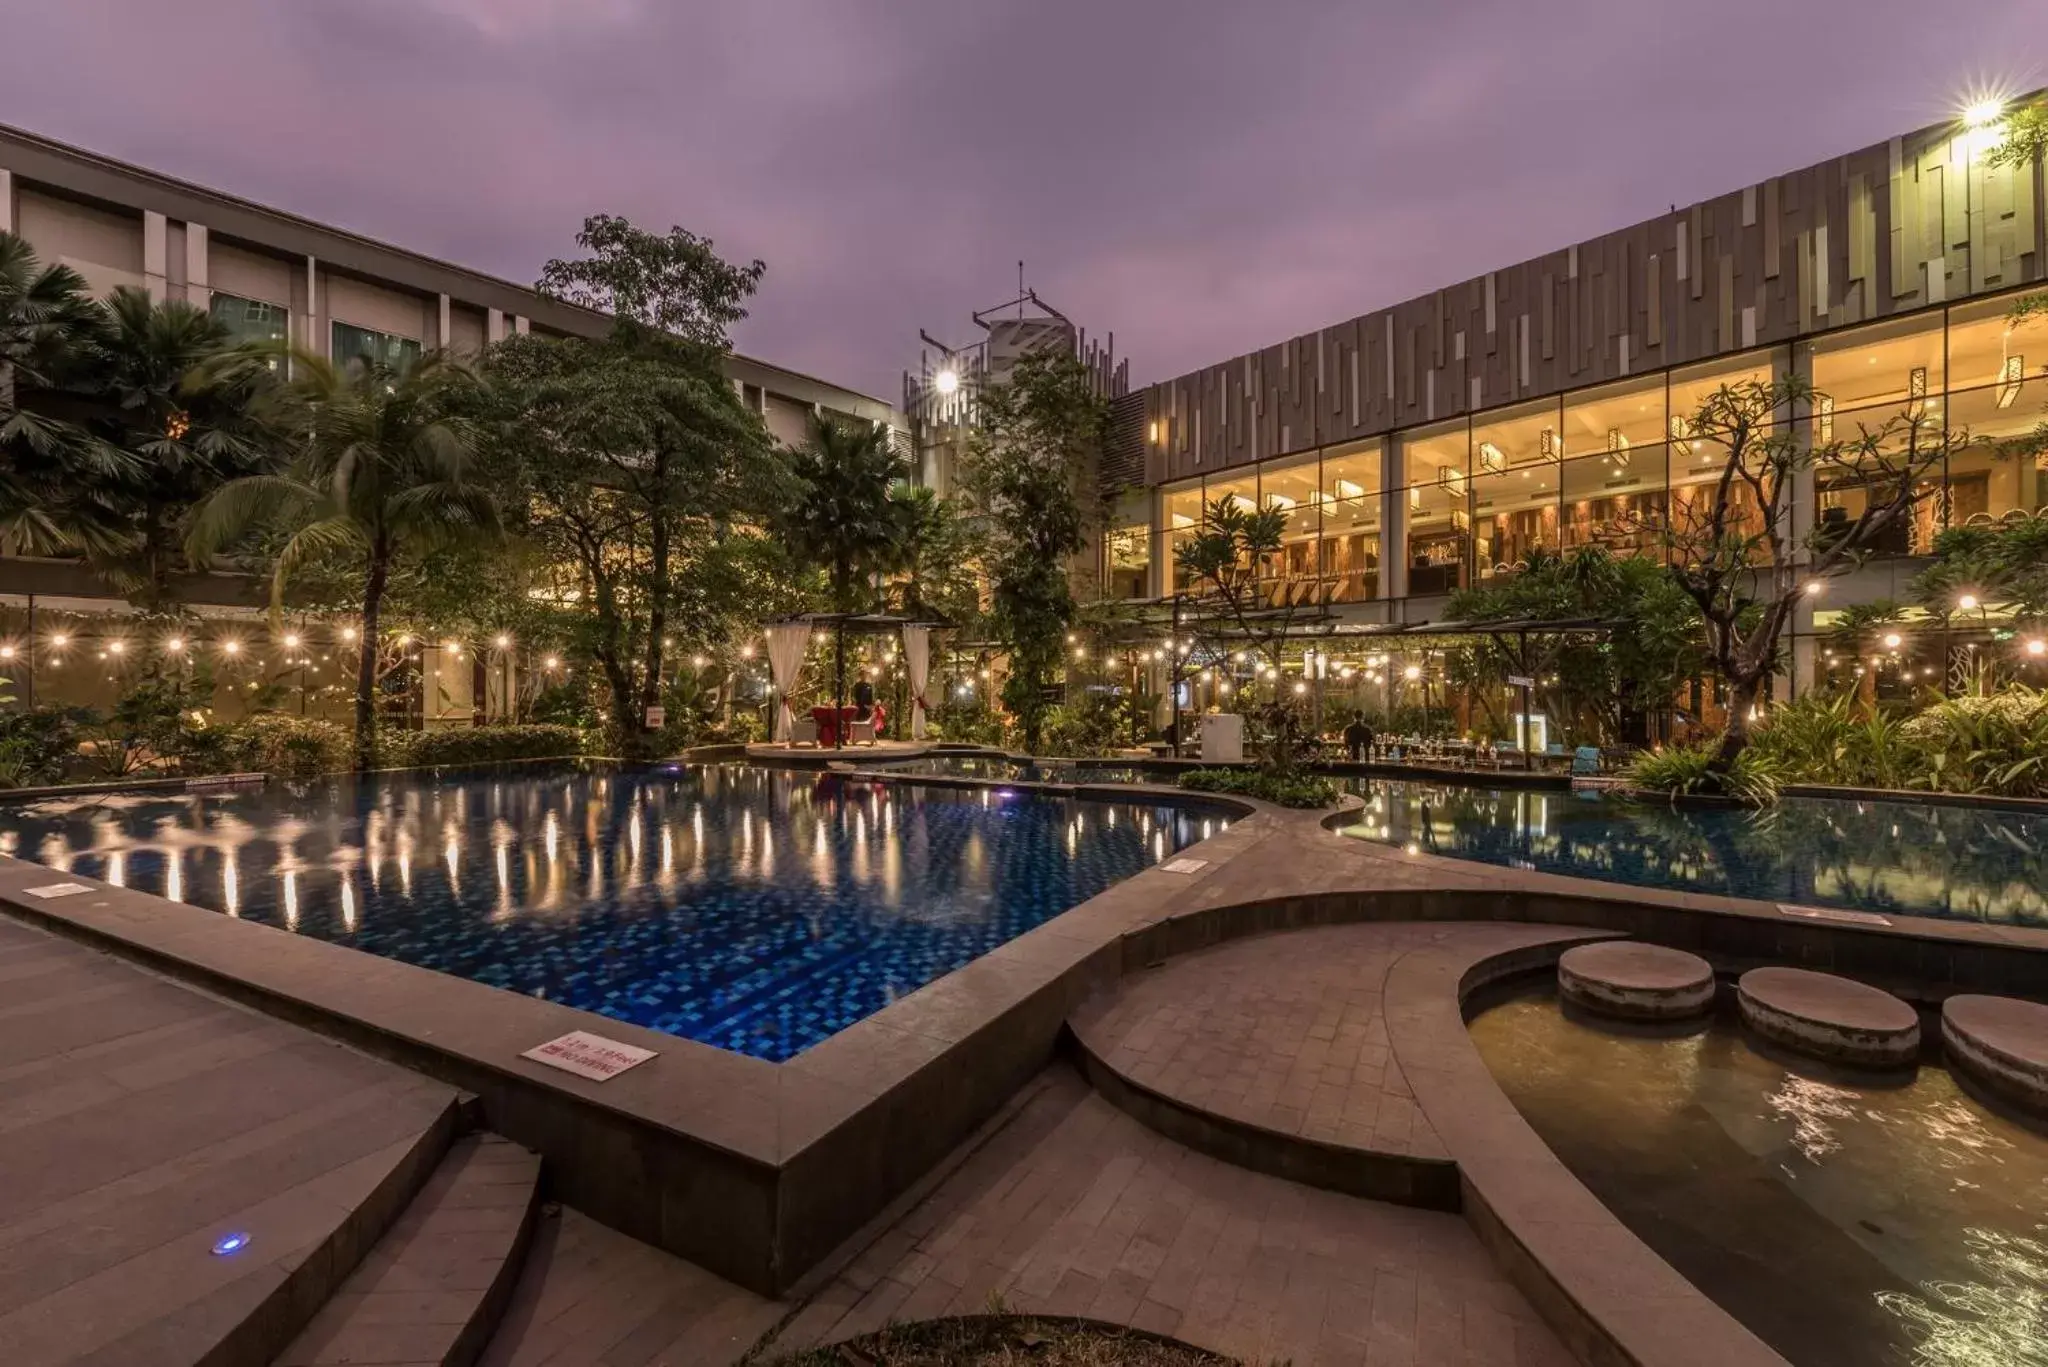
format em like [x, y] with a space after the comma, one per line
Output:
[1285, 1032]
[140, 1121]
[1067, 1207]
[1073, 1208]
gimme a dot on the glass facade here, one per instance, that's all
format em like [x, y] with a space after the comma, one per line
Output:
[251, 320]
[1474, 497]
[353, 343]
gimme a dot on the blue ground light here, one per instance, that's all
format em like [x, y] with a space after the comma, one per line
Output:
[757, 910]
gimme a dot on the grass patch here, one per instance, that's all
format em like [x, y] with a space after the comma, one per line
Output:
[1005, 1341]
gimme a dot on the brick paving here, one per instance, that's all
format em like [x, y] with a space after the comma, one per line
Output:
[1285, 1032]
[1074, 1208]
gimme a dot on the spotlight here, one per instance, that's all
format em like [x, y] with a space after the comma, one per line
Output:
[947, 381]
[1967, 603]
[1983, 113]
[1816, 587]
[1892, 640]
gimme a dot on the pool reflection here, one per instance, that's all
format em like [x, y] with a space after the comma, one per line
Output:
[1982, 864]
[757, 909]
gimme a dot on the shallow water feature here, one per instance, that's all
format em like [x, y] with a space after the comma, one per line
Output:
[758, 910]
[1844, 1219]
[1967, 863]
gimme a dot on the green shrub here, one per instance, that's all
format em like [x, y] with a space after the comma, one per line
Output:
[1690, 771]
[1090, 726]
[1284, 790]
[39, 745]
[1992, 743]
[1823, 739]
[292, 747]
[489, 744]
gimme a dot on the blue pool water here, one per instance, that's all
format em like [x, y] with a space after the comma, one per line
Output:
[1896, 858]
[754, 909]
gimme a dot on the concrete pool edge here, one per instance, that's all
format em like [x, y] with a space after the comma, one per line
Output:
[1600, 1287]
[756, 1171]
[759, 1171]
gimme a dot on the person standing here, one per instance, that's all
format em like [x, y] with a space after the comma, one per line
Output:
[1358, 738]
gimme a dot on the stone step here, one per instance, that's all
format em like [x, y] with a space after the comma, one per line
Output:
[1827, 1017]
[434, 1287]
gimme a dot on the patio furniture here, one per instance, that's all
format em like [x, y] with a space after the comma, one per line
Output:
[803, 731]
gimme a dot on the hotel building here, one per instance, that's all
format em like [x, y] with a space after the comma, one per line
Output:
[1433, 444]
[271, 275]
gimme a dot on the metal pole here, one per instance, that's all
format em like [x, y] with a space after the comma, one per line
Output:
[30, 646]
[1522, 658]
[1173, 673]
[839, 685]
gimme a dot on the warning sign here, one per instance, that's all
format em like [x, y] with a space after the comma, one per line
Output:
[588, 1055]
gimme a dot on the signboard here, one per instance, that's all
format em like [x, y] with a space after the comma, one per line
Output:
[588, 1055]
[1520, 681]
[656, 718]
[58, 890]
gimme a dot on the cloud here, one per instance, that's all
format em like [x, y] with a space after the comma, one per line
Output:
[1201, 177]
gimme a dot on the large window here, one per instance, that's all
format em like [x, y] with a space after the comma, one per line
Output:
[1182, 509]
[1438, 503]
[1351, 521]
[251, 320]
[1515, 457]
[352, 343]
[1295, 488]
[1998, 373]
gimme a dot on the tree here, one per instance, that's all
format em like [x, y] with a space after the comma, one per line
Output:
[166, 393]
[51, 474]
[633, 462]
[1731, 548]
[850, 517]
[677, 284]
[657, 380]
[2003, 563]
[2024, 138]
[381, 463]
[1599, 681]
[935, 561]
[1041, 437]
[1228, 560]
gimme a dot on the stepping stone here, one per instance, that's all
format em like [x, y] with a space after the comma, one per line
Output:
[1636, 981]
[2001, 1042]
[1831, 1018]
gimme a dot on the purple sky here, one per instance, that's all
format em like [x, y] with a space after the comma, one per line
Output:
[1200, 176]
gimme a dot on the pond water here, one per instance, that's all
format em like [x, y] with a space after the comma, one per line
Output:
[759, 910]
[1898, 858]
[1843, 1220]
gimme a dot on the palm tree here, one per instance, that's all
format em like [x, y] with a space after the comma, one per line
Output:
[49, 471]
[170, 391]
[849, 518]
[382, 466]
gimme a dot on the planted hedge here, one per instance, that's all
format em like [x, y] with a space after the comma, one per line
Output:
[1283, 790]
[484, 745]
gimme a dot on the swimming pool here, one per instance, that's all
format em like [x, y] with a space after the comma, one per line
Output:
[1907, 859]
[754, 909]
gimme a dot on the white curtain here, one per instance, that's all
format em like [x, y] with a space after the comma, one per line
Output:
[786, 642]
[917, 656]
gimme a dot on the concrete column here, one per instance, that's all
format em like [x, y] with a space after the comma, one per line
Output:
[443, 322]
[1393, 523]
[6, 201]
[156, 263]
[312, 332]
[1800, 505]
[198, 277]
